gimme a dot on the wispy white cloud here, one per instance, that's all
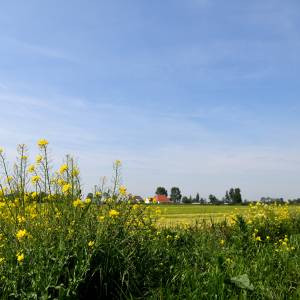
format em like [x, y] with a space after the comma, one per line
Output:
[47, 51]
[156, 148]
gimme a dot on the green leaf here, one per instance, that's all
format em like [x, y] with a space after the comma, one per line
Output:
[243, 282]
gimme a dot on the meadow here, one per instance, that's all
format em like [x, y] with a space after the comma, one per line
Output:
[181, 214]
[57, 244]
[176, 214]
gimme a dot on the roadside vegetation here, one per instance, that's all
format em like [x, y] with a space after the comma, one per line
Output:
[57, 244]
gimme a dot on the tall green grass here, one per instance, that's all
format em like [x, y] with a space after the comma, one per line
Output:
[55, 244]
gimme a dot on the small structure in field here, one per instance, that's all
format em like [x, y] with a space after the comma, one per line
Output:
[162, 199]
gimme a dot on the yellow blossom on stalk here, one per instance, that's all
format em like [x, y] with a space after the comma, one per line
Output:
[34, 195]
[91, 244]
[35, 179]
[31, 168]
[20, 257]
[258, 238]
[135, 206]
[118, 163]
[75, 172]
[113, 213]
[21, 219]
[87, 200]
[61, 182]
[9, 179]
[24, 157]
[66, 188]
[122, 190]
[38, 159]
[63, 168]
[1, 150]
[98, 194]
[43, 143]
[21, 234]
[101, 218]
[78, 203]
[222, 242]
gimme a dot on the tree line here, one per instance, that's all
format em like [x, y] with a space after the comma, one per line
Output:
[232, 196]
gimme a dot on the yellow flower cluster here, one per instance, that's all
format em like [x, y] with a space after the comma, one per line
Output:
[66, 188]
[35, 179]
[122, 190]
[113, 213]
[42, 143]
[63, 169]
[20, 257]
[21, 234]
[31, 168]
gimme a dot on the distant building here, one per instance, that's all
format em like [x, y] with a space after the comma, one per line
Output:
[162, 199]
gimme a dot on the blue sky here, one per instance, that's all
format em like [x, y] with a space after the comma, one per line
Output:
[200, 94]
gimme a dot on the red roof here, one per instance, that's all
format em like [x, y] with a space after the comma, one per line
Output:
[162, 199]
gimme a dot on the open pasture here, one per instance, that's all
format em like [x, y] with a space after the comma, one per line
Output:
[176, 214]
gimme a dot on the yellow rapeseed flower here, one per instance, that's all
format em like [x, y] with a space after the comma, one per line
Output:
[9, 179]
[87, 200]
[34, 195]
[63, 168]
[77, 203]
[20, 257]
[258, 238]
[113, 213]
[222, 242]
[101, 218]
[21, 234]
[66, 188]
[122, 190]
[43, 143]
[1, 150]
[135, 206]
[21, 219]
[60, 182]
[75, 172]
[31, 168]
[98, 194]
[91, 244]
[38, 159]
[35, 179]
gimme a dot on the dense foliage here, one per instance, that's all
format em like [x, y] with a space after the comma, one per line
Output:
[55, 244]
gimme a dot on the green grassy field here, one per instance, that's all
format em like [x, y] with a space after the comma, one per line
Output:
[190, 213]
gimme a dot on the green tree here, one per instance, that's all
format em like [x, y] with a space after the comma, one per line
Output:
[213, 199]
[161, 191]
[237, 196]
[234, 196]
[187, 199]
[227, 197]
[175, 194]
